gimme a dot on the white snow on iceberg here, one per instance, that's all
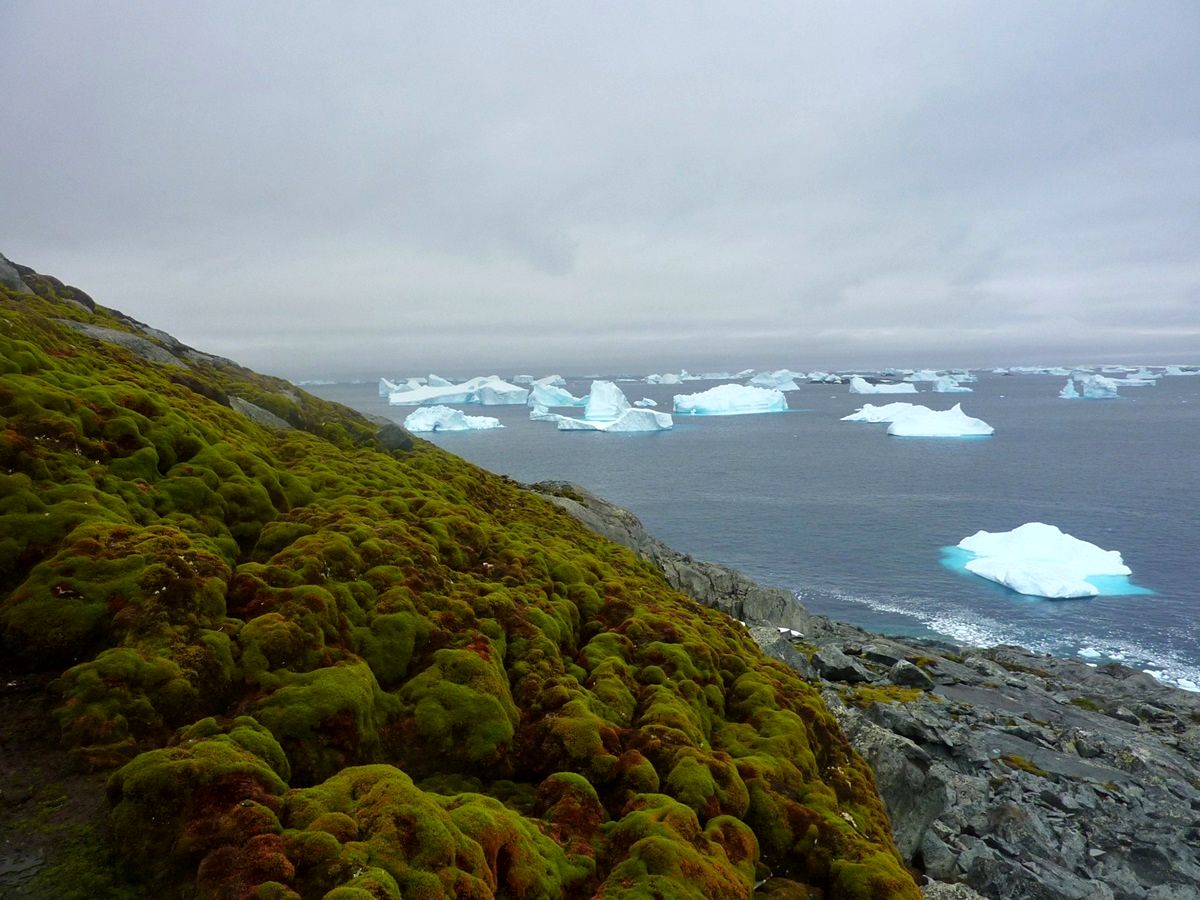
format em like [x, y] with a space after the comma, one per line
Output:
[1041, 560]
[860, 385]
[630, 420]
[923, 422]
[886, 413]
[731, 400]
[549, 395]
[443, 418]
[605, 402]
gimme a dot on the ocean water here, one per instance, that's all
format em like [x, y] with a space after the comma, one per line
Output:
[858, 523]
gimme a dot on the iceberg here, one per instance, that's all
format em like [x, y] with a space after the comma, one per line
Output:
[780, 380]
[731, 400]
[664, 379]
[859, 385]
[606, 402]
[540, 413]
[922, 375]
[944, 384]
[825, 378]
[886, 413]
[548, 395]
[1041, 560]
[923, 422]
[631, 420]
[551, 381]
[489, 390]
[1177, 371]
[644, 402]
[1089, 387]
[443, 418]
[386, 387]
[437, 381]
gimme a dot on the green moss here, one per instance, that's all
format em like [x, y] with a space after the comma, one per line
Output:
[1086, 703]
[863, 696]
[1014, 761]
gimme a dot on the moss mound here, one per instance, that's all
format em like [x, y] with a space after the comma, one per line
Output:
[321, 668]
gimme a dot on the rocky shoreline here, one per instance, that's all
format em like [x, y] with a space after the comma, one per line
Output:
[1018, 775]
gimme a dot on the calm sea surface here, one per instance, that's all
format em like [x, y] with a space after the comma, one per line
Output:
[854, 521]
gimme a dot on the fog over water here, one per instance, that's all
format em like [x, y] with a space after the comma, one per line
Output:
[476, 187]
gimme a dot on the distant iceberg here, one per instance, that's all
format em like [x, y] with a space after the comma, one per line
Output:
[1040, 560]
[825, 378]
[859, 385]
[1176, 371]
[548, 395]
[605, 402]
[780, 380]
[489, 390]
[631, 420]
[540, 413]
[944, 384]
[922, 375]
[885, 413]
[923, 422]
[1089, 387]
[437, 381]
[667, 378]
[644, 402]
[443, 418]
[731, 400]
[551, 381]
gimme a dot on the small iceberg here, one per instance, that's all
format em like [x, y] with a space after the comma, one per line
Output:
[860, 385]
[631, 420]
[922, 375]
[645, 402]
[443, 418]
[921, 421]
[1040, 560]
[731, 400]
[886, 413]
[540, 413]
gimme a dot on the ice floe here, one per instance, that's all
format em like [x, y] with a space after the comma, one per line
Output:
[944, 384]
[860, 385]
[1089, 387]
[731, 400]
[923, 422]
[443, 418]
[1041, 560]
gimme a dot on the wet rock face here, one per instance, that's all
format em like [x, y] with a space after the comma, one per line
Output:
[1017, 774]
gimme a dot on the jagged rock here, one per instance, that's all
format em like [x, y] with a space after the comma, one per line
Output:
[10, 277]
[394, 437]
[263, 417]
[143, 347]
[906, 674]
[936, 890]
[778, 647]
[834, 665]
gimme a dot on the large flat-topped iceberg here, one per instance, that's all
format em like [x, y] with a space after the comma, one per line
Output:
[605, 402]
[923, 422]
[731, 400]
[1041, 560]
[860, 385]
[443, 418]
[489, 390]
[549, 395]
[886, 413]
[631, 420]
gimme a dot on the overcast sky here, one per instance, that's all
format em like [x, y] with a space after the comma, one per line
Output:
[600, 187]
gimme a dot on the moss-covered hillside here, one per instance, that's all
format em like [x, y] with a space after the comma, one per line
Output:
[310, 666]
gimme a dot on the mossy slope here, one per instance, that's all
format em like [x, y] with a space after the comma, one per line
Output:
[320, 669]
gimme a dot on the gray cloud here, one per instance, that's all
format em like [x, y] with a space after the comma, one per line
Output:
[550, 186]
